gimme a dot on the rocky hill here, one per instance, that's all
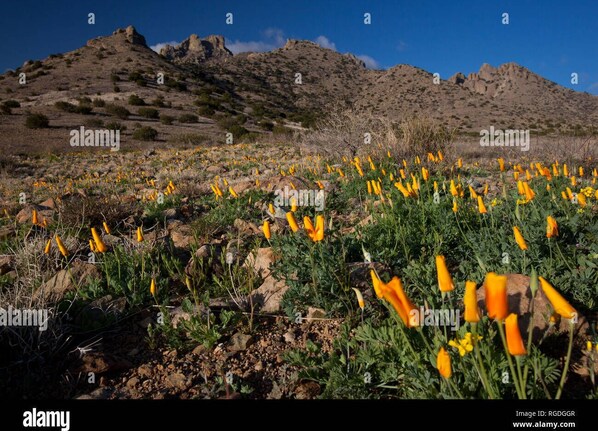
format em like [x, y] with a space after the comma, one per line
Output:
[197, 90]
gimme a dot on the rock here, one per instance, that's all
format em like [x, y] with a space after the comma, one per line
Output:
[215, 169]
[112, 240]
[519, 298]
[177, 315]
[170, 213]
[276, 392]
[259, 366]
[25, 215]
[289, 337]
[48, 204]
[103, 393]
[195, 50]
[200, 350]
[132, 382]
[177, 381]
[102, 363]
[307, 390]
[203, 252]
[260, 261]
[314, 313]
[268, 296]
[6, 264]
[55, 288]
[239, 342]
[246, 228]
[144, 371]
[182, 237]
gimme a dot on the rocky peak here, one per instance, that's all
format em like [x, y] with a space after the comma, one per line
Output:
[196, 50]
[120, 37]
[357, 60]
[131, 35]
[458, 78]
[295, 43]
[489, 80]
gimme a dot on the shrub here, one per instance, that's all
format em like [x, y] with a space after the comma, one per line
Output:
[238, 131]
[188, 118]
[11, 104]
[282, 130]
[166, 119]
[266, 125]
[188, 139]
[158, 102]
[37, 121]
[145, 134]
[150, 113]
[65, 106]
[83, 109]
[94, 122]
[118, 111]
[98, 103]
[115, 125]
[177, 85]
[205, 111]
[135, 100]
[135, 76]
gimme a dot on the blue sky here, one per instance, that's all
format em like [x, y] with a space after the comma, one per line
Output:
[554, 38]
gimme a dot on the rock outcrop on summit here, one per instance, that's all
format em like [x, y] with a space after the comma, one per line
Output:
[195, 50]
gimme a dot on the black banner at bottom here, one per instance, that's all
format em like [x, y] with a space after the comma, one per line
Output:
[171, 414]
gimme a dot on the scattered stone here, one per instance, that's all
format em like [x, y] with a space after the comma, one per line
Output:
[268, 297]
[289, 337]
[246, 228]
[307, 390]
[200, 350]
[6, 264]
[102, 393]
[64, 281]
[260, 261]
[144, 371]
[239, 342]
[102, 363]
[132, 382]
[314, 313]
[177, 380]
[276, 392]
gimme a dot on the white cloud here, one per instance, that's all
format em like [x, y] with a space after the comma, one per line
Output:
[273, 38]
[324, 42]
[157, 47]
[402, 46]
[370, 63]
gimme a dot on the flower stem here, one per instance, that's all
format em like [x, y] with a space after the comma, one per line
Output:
[483, 375]
[569, 350]
[501, 331]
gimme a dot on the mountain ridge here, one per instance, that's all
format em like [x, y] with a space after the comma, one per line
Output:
[297, 83]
